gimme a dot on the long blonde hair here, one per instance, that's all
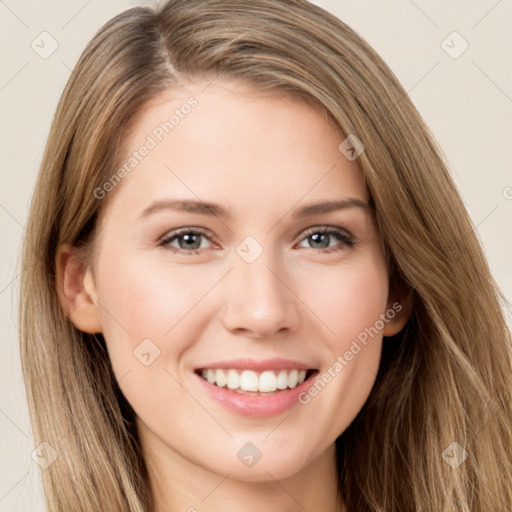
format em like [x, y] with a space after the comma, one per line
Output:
[446, 378]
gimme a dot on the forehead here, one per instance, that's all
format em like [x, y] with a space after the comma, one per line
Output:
[232, 143]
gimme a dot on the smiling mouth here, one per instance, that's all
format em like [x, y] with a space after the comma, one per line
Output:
[249, 382]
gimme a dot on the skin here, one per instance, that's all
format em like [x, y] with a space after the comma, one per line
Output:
[262, 157]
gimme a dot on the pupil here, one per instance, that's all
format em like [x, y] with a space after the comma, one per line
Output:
[189, 240]
[316, 236]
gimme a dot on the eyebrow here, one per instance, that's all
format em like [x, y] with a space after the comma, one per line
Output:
[217, 210]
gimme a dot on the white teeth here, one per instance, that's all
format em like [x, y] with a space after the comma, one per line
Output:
[249, 381]
[233, 379]
[267, 381]
[220, 378]
[282, 379]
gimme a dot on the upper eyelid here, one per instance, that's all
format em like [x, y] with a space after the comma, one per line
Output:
[183, 231]
[321, 227]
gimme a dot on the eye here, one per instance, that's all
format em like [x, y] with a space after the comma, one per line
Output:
[189, 241]
[320, 238]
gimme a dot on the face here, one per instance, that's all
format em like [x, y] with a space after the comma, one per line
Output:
[260, 286]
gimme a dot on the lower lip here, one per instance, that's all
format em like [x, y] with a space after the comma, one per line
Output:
[256, 405]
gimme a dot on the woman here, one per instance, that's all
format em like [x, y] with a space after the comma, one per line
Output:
[257, 370]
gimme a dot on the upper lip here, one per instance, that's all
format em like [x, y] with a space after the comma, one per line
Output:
[276, 363]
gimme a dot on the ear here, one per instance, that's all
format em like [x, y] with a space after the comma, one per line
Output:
[76, 290]
[399, 310]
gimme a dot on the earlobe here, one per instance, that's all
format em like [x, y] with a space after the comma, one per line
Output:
[399, 311]
[76, 290]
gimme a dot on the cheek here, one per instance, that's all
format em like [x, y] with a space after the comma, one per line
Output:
[350, 304]
[150, 319]
[346, 300]
[141, 302]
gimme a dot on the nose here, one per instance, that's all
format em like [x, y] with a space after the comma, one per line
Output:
[259, 300]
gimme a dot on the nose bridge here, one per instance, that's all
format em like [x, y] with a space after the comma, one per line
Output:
[257, 298]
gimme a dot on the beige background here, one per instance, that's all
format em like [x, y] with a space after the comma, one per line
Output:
[466, 101]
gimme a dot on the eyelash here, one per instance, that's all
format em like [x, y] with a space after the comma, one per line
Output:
[346, 239]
